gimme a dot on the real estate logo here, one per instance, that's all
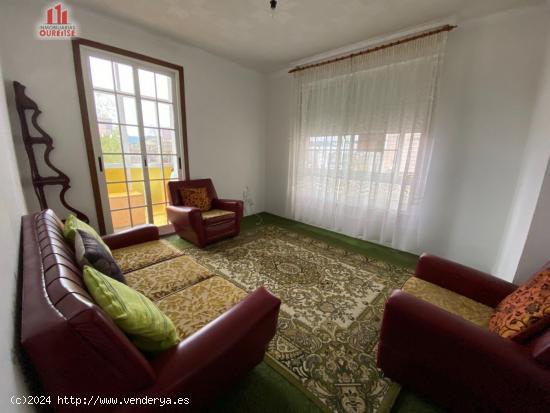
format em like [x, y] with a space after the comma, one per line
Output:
[57, 24]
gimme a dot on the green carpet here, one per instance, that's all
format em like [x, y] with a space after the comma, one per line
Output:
[264, 389]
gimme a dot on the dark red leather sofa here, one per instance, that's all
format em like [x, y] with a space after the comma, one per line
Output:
[78, 351]
[464, 367]
[188, 221]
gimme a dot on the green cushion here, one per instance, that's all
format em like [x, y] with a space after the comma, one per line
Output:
[72, 223]
[148, 327]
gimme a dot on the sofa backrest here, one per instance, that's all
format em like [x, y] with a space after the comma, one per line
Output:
[73, 345]
[176, 186]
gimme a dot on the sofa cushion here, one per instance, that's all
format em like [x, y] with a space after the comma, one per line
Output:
[525, 312]
[196, 306]
[147, 326]
[142, 255]
[159, 280]
[450, 301]
[196, 197]
[217, 215]
[72, 223]
[88, 251]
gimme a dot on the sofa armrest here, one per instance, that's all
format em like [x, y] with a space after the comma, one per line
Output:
[228, 205]
[466, 281]
[426, 347]
[184, 216]
[136, 235]
[223, 346]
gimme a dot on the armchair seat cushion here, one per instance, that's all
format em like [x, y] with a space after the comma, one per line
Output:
[217, 215]
[450, 301]
[196, 306]
[142, 255]
[164, 278]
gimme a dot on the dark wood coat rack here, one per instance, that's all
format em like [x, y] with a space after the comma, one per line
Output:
[24, 103]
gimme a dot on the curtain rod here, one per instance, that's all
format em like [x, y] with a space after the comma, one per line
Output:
[445, 28]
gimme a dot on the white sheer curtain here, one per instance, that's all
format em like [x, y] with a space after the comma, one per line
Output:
[361, 145]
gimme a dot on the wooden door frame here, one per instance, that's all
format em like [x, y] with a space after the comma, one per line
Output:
[76, 43]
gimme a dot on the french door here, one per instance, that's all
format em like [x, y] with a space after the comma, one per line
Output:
[133, 109]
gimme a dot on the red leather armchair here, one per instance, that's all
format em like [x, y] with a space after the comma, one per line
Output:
[193, 225]
[464, 367]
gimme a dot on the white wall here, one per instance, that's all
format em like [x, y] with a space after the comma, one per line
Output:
[523, 224]
[12, 207]
[278, 128]
[537, 246]
[481, 127]
[226, 112]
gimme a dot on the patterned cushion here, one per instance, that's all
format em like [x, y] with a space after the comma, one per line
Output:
[135, 314]
[88, 251]
[526, 311]
[450, 301]
[142, 255]
[196, 197]
[217, 215]
[159, 280]
[194, 307]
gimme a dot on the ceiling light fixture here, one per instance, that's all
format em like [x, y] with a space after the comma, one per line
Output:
[273, 5]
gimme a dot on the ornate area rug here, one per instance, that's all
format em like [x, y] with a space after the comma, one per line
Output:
[332, 305]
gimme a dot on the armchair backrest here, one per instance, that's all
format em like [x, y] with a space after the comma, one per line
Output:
[175, 187]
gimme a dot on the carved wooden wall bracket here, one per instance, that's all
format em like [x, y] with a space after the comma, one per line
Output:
[24, 103]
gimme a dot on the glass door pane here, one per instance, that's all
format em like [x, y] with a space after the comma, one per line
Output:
[120, 142]
[160, 143]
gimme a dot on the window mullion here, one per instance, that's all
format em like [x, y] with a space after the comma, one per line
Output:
[177, 109]
[121, 145]
[144, 163]
[160, 138]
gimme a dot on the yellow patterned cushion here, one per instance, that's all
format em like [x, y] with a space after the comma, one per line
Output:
[217, 213]
[159, 280]
[142, 255]
[196, 197]
[193, 308]
[450, 301]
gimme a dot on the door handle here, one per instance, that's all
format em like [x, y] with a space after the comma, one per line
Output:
[100, 162]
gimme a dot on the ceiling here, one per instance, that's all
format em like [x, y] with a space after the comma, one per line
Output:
[246, 32]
